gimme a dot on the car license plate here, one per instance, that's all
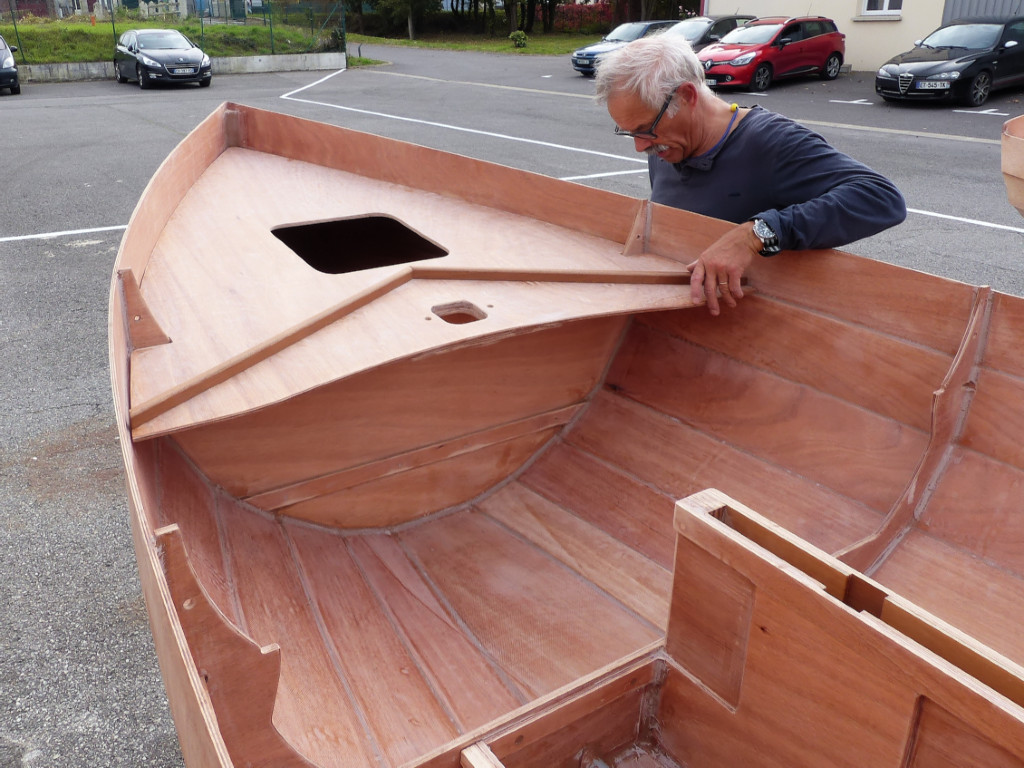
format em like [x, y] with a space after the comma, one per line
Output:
[184, 71]
[932, 85]
[710, 81]
[581, 62]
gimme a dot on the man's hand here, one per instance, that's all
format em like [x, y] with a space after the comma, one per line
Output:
[722, 265]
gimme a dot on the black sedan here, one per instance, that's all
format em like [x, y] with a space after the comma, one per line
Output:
[160, 56]
[962, 61]
[9, 68]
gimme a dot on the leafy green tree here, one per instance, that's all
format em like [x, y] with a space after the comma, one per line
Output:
[413, 11]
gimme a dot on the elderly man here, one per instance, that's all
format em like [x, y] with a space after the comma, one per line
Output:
[783, 185]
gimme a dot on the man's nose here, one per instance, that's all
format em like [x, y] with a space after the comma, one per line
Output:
[642, 144]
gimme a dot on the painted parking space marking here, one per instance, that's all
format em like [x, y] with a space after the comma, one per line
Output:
[863, 102]
[993, 111]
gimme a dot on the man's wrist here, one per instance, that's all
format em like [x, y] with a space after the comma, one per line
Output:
[767, 237]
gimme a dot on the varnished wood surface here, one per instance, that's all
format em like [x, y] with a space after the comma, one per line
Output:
[1013, 161]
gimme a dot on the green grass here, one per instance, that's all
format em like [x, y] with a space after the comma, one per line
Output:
[52, 42]
[45, 41]
[553, 44]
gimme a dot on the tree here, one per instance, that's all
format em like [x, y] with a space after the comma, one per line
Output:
[409, 11]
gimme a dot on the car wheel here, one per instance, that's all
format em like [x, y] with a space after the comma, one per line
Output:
[762, 77]
[118, 77]
[142, 76]
[15, 90]
[978, 90]
[205, 83]
[832, 66]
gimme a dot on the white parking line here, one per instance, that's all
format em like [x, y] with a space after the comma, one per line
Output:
[65, 233]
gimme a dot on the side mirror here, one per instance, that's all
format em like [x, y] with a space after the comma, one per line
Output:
[13, 48]
[917, 43]
[1006, 46]
[714, 38]
[784, 42]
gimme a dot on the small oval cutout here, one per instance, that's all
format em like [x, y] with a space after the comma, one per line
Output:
[459, 312]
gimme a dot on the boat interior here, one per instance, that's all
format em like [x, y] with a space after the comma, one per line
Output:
[788, 535]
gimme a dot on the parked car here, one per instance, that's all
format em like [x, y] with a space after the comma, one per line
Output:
[9, 68]
[585, 59]
[701, 31]
[963, 61]
[772, 48]
[160, 56]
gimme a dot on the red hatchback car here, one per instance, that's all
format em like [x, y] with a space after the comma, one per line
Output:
[768, 49]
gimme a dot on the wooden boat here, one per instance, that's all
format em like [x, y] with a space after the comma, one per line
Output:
[432, 463]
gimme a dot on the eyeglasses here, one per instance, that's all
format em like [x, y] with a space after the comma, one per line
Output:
[649, 134]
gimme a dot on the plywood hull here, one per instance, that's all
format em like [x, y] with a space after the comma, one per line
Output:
[424, 512]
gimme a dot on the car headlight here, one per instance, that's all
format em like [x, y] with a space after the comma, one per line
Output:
[149, 62]
[746, 58]
[886, 71]
[8, 62]
[951, 75]
[206, 61]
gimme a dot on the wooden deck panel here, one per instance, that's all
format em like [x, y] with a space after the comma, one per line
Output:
[679, 461]
[542, 622]
[905, 304]
[890, 376]
[626, 575]
[395, 699]
[993, 426]
[854, 452]
[315, 711]
[616, 503]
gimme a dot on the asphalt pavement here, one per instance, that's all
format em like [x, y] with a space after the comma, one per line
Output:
[79, 683]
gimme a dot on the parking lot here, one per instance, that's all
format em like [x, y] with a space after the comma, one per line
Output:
[79, 684]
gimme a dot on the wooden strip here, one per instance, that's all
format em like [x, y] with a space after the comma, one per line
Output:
[640, 233]
[241, 677]
[462, 675]
[544, 624]
[399, 706]
[348, 478]
[632, 436]
[624, 574]
[859, 454]
[143, 329]
[175, 396]
[617, 504]
[479, 755]
[950, 406]
[613, 277]
[321, 720]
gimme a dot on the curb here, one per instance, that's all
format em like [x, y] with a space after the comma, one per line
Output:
[228, 65]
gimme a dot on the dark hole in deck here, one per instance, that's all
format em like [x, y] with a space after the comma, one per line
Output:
[350, 245]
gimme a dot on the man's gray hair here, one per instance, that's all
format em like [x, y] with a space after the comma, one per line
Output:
[650, 67]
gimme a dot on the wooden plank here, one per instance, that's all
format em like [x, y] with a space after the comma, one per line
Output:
[407, 496]
[320, 719]
[618, 504]
[633, 437]
[892, 376]
[957, 586]
[540, 621]
[397, 701]
[976, 509]
[479, 755]
[624, 574]
[992, 427]
[856, 453]
[190, 503]
[143, 329]
[240, 676]
[942, 740]
[404, 406]
[338, 481]
[461, 673]
[820, 684]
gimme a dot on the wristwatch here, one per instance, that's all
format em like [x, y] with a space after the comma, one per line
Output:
[769, 240]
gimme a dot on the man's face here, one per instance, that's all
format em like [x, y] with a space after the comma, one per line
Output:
[672, 142]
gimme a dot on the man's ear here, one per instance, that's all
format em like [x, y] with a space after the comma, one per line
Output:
[687, 94]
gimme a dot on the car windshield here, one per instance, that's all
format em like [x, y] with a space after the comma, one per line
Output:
[163, 41]
[970, 36]
[627, 33]
[691, 29]
[759, 33]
